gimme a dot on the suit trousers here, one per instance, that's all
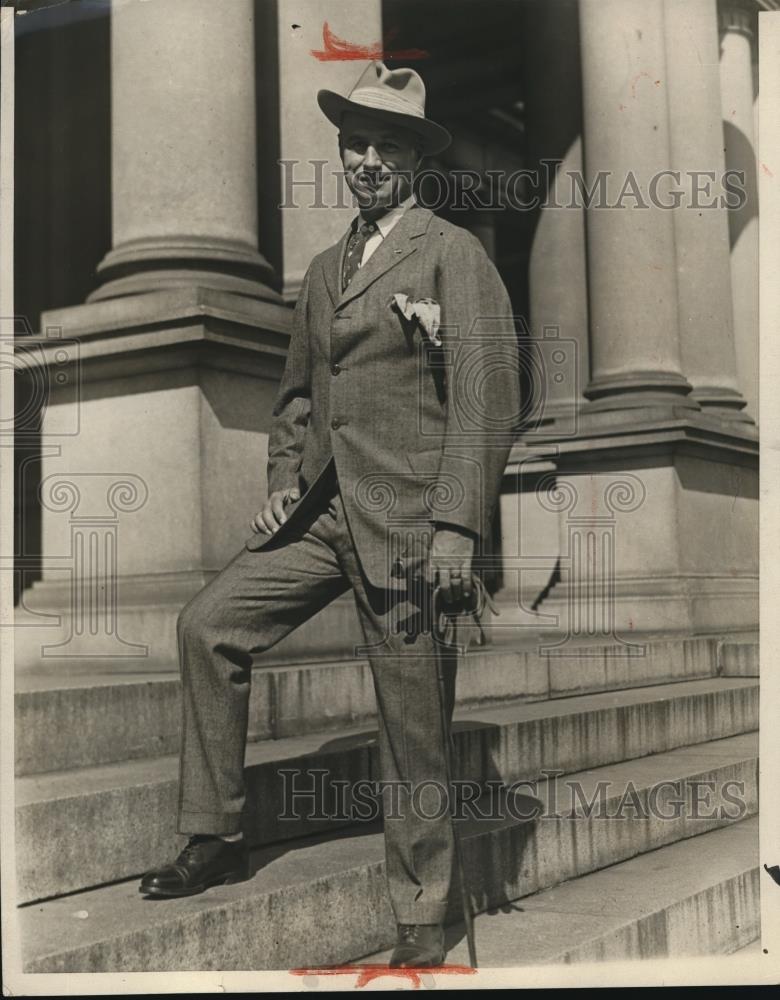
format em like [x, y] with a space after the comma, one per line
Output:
[259, 598]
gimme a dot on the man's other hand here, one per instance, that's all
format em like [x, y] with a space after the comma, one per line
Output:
[452, 550]
[272, 515]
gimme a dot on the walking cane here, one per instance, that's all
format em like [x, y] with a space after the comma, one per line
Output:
[439, 635]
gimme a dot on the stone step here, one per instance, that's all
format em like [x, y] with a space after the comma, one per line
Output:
[95, 825]
[101, 715]
[739, 659]
[692, 898]
[317, 901]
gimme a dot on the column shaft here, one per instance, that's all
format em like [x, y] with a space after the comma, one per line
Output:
[701, 219]
[736, 73]
[557, 273]
[632, 281]
[184, 172]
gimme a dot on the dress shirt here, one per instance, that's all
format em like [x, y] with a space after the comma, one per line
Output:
[384, 225]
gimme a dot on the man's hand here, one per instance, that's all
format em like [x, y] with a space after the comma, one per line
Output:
[272, 515]
[452, 550]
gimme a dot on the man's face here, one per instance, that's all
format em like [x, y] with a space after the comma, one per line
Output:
[379, 161]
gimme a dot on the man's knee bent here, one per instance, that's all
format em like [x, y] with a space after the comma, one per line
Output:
[209, 620]
[198, 616]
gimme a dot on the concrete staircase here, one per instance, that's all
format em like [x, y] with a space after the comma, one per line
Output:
[695, 897]
[666, 741]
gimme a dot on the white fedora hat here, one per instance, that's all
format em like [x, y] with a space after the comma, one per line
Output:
[396, 95]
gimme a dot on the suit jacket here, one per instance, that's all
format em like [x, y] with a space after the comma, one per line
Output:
[419, 434]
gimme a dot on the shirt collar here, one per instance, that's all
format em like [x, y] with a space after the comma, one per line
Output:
[386, 222]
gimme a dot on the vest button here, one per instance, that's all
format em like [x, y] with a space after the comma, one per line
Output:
[335, 369]
[335, 423]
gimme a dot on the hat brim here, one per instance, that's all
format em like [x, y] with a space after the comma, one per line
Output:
[435, 138]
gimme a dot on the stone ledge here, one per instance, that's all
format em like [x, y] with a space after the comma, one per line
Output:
[155, 331]
[633, 434]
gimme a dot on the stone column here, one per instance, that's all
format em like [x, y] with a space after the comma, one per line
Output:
[558, 357]
[184, 172]
[701, 219]
[644, 432]
[632, 281]
[557, 278]
[173, 365]
[736, 75]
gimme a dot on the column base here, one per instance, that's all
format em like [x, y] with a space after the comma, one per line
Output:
[657, 528]
[669, 421]
[154, 462]
[639, 389]
[725, 403]
[149, 265]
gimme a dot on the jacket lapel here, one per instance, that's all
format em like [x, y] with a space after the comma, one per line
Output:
[331, 267]
[397, 246]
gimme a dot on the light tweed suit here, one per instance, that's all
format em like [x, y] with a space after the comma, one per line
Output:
[385, 435]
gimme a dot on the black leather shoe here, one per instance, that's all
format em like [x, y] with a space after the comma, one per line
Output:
[419, 946]
[205, 861]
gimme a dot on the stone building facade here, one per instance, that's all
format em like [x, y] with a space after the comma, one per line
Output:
[150, 233]
[174, 177]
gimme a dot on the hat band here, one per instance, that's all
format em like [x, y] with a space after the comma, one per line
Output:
[382, 101]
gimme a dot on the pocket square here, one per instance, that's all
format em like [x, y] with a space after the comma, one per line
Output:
[427, 312]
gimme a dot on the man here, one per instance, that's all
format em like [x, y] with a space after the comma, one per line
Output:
[386, 454]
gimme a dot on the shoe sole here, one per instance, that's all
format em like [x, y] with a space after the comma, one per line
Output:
[421, 964]
[416, 965]
[233, 878]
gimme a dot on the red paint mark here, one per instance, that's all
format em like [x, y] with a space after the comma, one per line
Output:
[339, 49]
[367, 973]
[766, 170]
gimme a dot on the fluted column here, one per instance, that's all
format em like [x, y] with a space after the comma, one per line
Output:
[632, 281]
[184, 171]
[701, 220]
[737, 90]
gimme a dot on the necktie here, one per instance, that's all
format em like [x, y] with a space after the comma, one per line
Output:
[355, 247]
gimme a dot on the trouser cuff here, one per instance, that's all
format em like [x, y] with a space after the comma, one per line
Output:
[204, 822]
